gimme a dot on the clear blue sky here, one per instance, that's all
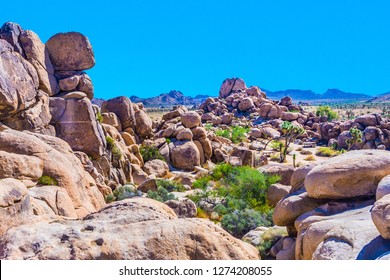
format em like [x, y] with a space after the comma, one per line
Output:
[149, 47]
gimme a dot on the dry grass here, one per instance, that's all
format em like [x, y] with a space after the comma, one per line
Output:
[310, 158]
[306, 152]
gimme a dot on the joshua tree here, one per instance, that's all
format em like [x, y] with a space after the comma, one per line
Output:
[356, 137]
[290, 132]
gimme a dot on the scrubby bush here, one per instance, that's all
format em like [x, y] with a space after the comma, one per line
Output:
[327, 152]
[276, 145]
[170, 186]
[208, 126]
[268, 240]
[310, 158]
[239, 222]
[290, 132]
[326, 111]
[123, 192]
[47, 181]
[237, 134]
[150, 153]
[356, 137]
[161, 195]
[110, 142]
[99, 117]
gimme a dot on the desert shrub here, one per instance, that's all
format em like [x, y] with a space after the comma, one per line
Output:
[110, 142]
[306, 152]
[237, 134]
[116, 152]
[123, 192]
[327, 152]
[289, 132]
[47, 181]
[327, 112]
[356, 137]
[299, 149]
[310, 158]
[161, 195]
[239, 222]
[276, 145]
[170, 185]
[208, 126]
[275, 157]
[99, 117]
[201, 183]
[200, 213]
[150, 153]
[268, 240]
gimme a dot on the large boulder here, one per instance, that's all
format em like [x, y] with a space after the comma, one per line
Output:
[78, 126]
[156, 167]
[18, 82]
[184, 208]
[21, 167]
[284, 171]
[59, 163]
[190, 119]
[297, 181]
[231, 85]
[367, 120]
[356, 173]
[143, 124]
[122, 107]
[184, 155]
[339, 231]
[10, 32]
[380, 214]
[276, 192]
[137, 228]
[383, 187]
[70, 51]
[37, 54]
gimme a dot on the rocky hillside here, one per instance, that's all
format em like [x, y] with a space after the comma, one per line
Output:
[82, 181]
[170, 99]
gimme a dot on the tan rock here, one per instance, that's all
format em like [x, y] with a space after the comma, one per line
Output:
[298, 177]
[70, 51]
[201, 152]
[148, 185]
[277, 192]
[383, 187]
[184, 155]
[20, 167]
[380, 215]
[282, 170]
[184, 134]
[199, 133]
[190, 119]
[69, 83]
[128, 138]
[144, 124]
[245, 104]
[184, 208]
[122, 107]
[156, 167]
[356, 173]
[231, 85]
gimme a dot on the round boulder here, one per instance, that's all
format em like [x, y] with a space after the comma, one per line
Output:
[184, 155]
[190, 119]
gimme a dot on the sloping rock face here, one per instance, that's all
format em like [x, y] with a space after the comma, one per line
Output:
[59, 163]
[131, 229]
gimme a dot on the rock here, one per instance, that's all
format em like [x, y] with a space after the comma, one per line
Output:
[367, 120]
[122, 107]
[199, 133]
[59, 163]
[143, 124]
[70, 51]
[342, 139]
[18, 82]
[227, 119]
[282, 170]
[184, 155]
[299, 175]
[73, 95]
[174, 114]
[10, 32]
[56, 198]
[78, 126]
[112, 119]
[231, 85]
[184, 134]
[383, 187]
[269, 132]
[139, 177]
[380, 215]
[36, 118]
[245, 104]
[184, 208]
[37, 54]
[292, 206]
[286, 101]
[138, 228]
[69, 83]
[201, 152]
[276, 192]
[156, 167]
[339, 231]
[190, 119]
[148, 185]
[15, 206]
[356, 173]
[85, 85]
[20, 167]
[290, 116]
[287, 251]
[245, 155]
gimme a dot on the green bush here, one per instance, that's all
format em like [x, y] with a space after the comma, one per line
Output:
[116, 152]
[327, 152]
[237, 134]
[99, 117]
[170, 186]
[201, 183]
[47, 181]
[110, 142]
[161, 195]
[123, 192]
[208, 126]
[239, 222]
[327, 112]
[150, 153]
[356, 137]
[276, 145]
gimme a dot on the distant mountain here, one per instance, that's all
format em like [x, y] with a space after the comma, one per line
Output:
[169, 99]
[381, 98]
[331, 95]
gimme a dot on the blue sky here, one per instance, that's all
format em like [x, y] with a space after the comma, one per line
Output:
[149, 47]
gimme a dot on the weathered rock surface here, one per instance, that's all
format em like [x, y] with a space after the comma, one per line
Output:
[20, 167]
[143, 123]
[190, 119]
[277, 192]
[156, 167]
[123, 108]
[284, 171]
[356, 173]
[380, 214]
[70, 51]
[183, 208]
[184, 155]
[131, 229]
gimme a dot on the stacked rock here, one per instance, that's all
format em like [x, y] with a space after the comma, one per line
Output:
[329, 207]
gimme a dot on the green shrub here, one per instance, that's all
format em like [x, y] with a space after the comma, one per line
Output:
[268, 240]
[289, 132]
[239, 222]
[327, 152]
[223, 133]
[201, 183]
[116, 152]
[208, 126]
[110, 142]
[99, 117]
[170, 186]
[161, 195]
[150, 153]
[327, 112]
[356, 137]
[123, 192]
[47, 181]
[237, 134]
